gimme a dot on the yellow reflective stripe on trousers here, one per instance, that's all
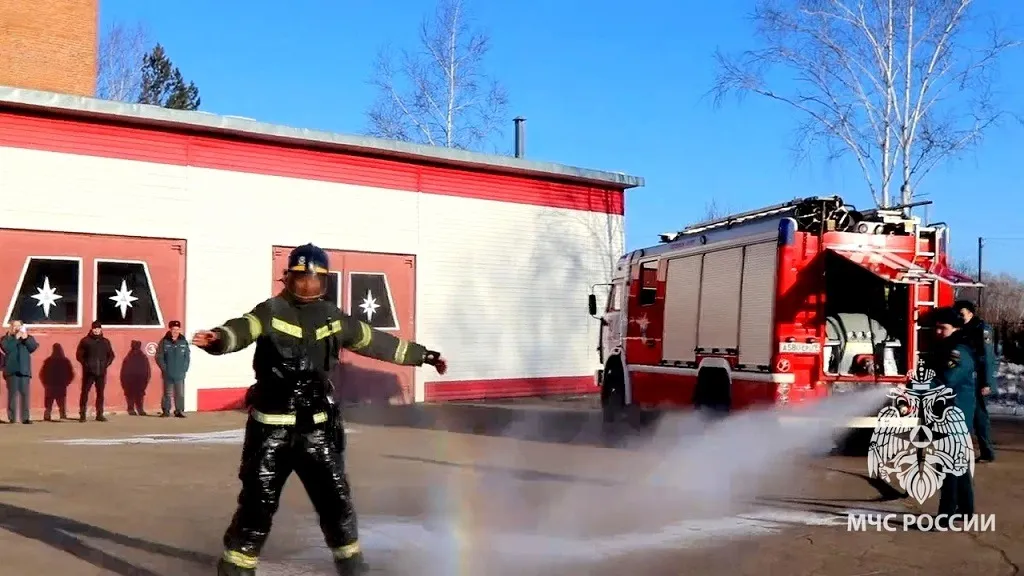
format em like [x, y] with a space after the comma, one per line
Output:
[325, 331]
[255, 326]
[366, 335]
[400, 351]
[282, 326]
[346, 551]
[284, 419]
[240, 560]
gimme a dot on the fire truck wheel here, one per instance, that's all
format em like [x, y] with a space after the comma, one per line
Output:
[712, 394]
[613, 393]
[854, 442]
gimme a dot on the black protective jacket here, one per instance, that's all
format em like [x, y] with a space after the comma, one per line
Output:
[297, 346]
[95, 354]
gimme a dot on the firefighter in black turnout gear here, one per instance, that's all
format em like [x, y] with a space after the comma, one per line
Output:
[294, 424]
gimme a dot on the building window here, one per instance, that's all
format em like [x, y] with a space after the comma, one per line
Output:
[334, 289]
[370, 300]
[125, 296]
[48, 292]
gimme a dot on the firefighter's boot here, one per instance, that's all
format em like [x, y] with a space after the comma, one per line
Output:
[354, 565]
[225, 568]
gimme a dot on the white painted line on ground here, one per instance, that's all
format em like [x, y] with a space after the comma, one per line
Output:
[219, 437]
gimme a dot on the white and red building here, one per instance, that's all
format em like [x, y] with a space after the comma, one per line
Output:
[137, 215]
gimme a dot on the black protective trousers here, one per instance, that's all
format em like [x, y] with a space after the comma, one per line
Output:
[269, 455]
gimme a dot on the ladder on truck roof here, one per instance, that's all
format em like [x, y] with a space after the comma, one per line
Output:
[933, 284]
[745, 217]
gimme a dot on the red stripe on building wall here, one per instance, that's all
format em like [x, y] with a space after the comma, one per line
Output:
[214, 399]
[164, 146]
[508, 388]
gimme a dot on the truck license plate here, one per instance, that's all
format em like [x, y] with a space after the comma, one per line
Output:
[799, 347]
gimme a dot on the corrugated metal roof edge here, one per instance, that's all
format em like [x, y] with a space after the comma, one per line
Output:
[205, 121]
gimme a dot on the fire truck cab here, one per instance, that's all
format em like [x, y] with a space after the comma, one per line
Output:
[777, 306]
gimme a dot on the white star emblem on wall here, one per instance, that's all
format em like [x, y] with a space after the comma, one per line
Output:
[123, 298]
[369, 305]
[46, 296]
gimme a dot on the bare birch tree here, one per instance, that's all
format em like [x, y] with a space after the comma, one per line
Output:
[440, 93]
[901, 85]
[606, 231]
[119, 70]
[712, 211]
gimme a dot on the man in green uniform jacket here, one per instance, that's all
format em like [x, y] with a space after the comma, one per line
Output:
[953, 363]
[173, 358]
[979, 337]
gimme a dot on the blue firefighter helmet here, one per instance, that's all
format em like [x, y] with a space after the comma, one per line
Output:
[307, 262]
[308, 258]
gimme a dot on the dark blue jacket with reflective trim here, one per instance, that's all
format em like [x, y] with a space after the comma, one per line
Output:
[297, 348]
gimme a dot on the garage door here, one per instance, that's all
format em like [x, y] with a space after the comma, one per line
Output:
[57, 283]
[378, 289]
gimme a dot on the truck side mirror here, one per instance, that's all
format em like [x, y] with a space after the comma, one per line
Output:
[592, 304]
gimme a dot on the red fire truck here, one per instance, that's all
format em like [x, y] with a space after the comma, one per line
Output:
[781, 305]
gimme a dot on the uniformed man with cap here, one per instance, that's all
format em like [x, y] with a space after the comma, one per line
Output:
[952, 360]
[293, 423]
[978, 335]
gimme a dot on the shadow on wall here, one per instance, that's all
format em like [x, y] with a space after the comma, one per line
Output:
[582, 252]
[358, 385]
[544, 291]
[475, 319]
[56, 374]
[135, 374]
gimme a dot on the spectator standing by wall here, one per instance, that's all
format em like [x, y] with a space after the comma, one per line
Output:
[18, 347]
[979, 337]
[173, 358]
[95, 354]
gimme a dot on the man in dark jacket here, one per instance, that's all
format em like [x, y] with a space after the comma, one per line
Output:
[95, 354]
[978, 335]
[18, 347]
[954, 366]
[173, 357]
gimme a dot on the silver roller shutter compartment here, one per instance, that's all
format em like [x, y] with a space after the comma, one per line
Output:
[720, 299]
[757, 305]
[682, 298]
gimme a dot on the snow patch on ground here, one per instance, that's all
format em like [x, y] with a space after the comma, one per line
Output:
[1010, 399]
[396, 545]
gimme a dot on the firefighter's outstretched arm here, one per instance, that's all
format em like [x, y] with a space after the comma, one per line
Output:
[235, 334]
[364, 340]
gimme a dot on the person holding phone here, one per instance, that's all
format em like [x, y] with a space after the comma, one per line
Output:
[18, 346]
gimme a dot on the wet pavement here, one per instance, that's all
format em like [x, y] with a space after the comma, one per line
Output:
[524, 487]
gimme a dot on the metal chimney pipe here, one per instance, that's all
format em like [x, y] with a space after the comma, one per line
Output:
[520, 135]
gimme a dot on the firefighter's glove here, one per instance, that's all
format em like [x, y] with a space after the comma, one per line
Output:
[434, 359]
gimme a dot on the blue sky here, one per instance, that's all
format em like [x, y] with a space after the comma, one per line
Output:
[603, 84]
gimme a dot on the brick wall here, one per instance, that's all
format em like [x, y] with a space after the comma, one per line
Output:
[49, 45]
